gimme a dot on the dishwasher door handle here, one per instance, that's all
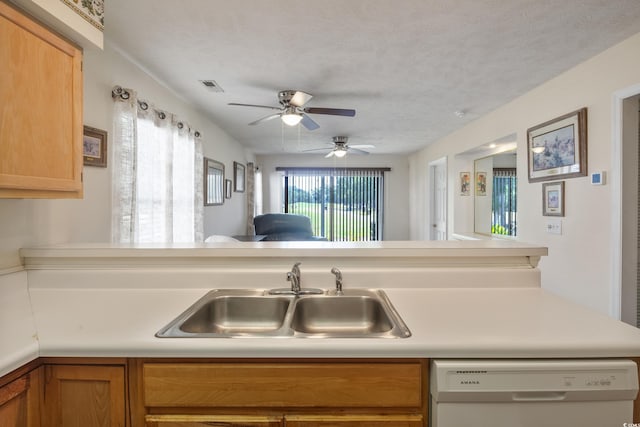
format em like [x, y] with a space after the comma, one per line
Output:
[538, 396]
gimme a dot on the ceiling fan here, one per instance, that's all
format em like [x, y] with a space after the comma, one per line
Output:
[341, 147]
[292, 111]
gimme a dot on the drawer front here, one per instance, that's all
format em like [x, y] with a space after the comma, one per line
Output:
[212, 420]
[284, 385]
[354, 421]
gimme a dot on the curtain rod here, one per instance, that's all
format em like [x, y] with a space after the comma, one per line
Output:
[124, 94]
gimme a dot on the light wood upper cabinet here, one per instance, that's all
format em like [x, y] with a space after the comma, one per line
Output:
[40, 110]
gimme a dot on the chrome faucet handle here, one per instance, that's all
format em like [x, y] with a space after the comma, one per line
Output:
[295, 285]
[338, 275]
[296, 269]
[294, 277]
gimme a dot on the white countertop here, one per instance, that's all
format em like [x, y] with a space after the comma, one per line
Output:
[459, 299]
[468, 323]
[18, 336]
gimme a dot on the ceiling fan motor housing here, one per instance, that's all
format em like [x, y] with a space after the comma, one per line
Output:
[284, 97]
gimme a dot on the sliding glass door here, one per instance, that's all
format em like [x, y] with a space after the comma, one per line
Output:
[343, 204]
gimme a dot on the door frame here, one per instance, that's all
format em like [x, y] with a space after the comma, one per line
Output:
[616, 177]
[432, 195]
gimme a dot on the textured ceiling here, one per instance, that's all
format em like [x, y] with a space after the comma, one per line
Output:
[404, 66]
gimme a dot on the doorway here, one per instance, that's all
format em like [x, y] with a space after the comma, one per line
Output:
[625, 182]
[438, 199]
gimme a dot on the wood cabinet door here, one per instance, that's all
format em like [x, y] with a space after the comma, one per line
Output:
[213, 420]
[84, 396]
[41, 126]
[20, 401]
[361, 420]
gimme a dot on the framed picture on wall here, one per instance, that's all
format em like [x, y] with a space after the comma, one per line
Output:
[465, 183]
[558, 148]
[94, 147]
[238, 177]
[481, 183]
[553, 199]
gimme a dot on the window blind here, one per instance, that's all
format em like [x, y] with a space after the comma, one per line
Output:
[344, 204]
[504, 203]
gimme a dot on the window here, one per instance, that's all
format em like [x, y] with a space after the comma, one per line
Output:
[344, 204]
[504, 204]
[157, 175]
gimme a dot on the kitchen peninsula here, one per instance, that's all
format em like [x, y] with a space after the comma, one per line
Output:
[465, 299]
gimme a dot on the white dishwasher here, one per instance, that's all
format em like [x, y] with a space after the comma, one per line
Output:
[532, 393]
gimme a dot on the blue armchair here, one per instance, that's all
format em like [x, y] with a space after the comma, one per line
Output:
[284, 227]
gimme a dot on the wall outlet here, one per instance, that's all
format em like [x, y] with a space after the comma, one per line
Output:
[554, 226]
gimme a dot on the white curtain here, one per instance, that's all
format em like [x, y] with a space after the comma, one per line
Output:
[157, 175]
[251, 211]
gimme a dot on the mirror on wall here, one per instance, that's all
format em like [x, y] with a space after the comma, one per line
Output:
[213, 182]
[495, 194]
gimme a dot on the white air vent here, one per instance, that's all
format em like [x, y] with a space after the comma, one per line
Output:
[212, 85]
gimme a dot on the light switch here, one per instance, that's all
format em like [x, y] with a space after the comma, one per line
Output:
[554, 226]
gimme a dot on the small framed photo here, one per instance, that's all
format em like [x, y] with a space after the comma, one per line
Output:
[481, 183]
[557, 149]
[553, 199]
[94, 147]
[465, 183]
[227, 188]
[238, 177]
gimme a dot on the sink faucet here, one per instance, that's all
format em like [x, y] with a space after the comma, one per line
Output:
[294, 277]
[338, 274]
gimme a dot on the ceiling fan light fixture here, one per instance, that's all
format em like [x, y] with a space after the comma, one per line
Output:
[340, 152]
[291, 117]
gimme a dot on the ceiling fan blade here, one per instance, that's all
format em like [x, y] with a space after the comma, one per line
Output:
[308, 123]
[331, 111]
[357, 151]
[331, 154]
[265, 119]
[300, 98]
[317, 149]
[254, 105]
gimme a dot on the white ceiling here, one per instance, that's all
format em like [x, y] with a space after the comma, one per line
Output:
[405, 66]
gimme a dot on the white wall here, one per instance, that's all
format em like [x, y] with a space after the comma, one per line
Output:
[36, 222]
[579, 263]
[396, 215]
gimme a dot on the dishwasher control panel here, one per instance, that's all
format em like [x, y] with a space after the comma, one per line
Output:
[521, 376]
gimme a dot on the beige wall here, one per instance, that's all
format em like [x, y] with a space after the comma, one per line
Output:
[579, 265]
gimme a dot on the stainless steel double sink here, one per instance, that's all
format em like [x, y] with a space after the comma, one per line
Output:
[252, 313]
